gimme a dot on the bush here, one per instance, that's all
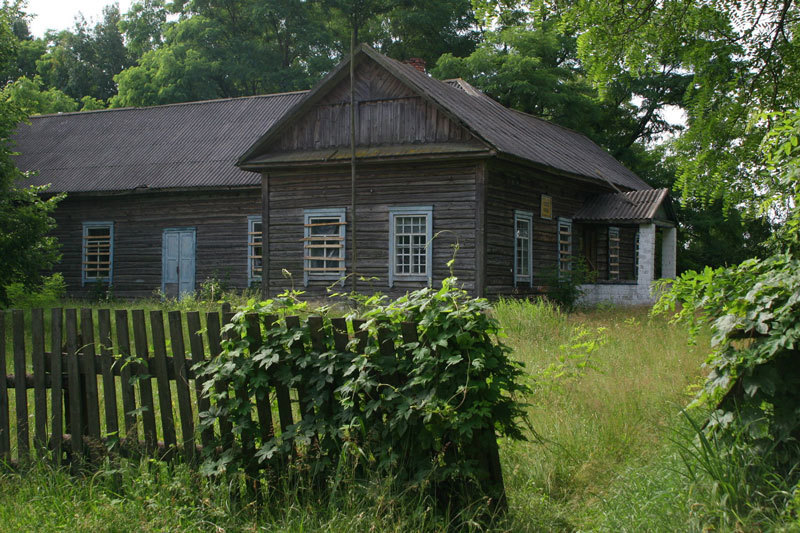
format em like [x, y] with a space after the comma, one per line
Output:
[52, 291]
[565, 288]
[426, 417]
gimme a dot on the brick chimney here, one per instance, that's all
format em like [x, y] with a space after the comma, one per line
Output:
[416, 62]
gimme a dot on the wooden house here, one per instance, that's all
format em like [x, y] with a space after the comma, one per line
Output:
[162, 198]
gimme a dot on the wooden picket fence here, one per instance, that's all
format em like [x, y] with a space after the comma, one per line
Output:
[98, 359]
[85, 345]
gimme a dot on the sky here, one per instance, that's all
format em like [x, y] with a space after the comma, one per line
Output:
[60, 14]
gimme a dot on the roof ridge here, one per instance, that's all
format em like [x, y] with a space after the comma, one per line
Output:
[173, 104]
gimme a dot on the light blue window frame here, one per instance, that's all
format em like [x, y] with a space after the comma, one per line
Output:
[521, 277]
[565, 253]
[252, 277]
[85, 233]
[308, 214]
[411, 211]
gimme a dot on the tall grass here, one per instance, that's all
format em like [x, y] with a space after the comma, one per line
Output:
[603, 454]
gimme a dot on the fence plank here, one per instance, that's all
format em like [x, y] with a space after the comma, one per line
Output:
[75, 422]
[360, 334]
[5, 422]
[214, 348]
[162, 380]
[106, 366]
[21, 392]
[126, 386]
[243, 395]
[340, 341]
[263, 407]
[56, 383]
[145, 383]
[182, 384]
[91, 394]
[284, 399]
[198, 356]
[39, 391]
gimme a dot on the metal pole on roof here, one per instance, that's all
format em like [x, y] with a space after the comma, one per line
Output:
[353, 249]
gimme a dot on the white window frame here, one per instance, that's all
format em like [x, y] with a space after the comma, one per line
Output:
[254, 239]
[411, 211]
[523, 216]
[308, 215]
[613, 246]
[567, 223]
[85, 234]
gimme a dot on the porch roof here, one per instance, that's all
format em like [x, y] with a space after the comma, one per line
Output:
[628, 207]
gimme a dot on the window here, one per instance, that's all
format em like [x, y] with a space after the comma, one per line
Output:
[636, 255]
[613, 253]
[410, 246]
[523, 251]
[98, 252]
[323, 244]
[255, 249]
[564, 245]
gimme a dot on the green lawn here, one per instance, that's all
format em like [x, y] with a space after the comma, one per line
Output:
[600, 454]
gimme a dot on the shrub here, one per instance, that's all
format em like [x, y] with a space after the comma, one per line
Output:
[423, 417]
[565, 288]
[53, 289]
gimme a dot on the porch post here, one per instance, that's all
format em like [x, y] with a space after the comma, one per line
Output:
[647, 254]
[668, 250]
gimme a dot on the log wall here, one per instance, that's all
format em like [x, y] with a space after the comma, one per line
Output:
[219, 217]
[513, 187]
[448, 187]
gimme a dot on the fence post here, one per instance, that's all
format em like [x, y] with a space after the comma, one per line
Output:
[39, 391]
[21, 387]
[5, 423]
[182, 384]
[75, 390]
[56, 384]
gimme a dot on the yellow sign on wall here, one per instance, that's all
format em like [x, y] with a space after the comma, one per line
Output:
[547, 206]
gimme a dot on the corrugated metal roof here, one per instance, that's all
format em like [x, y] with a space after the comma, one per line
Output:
[197, 144]
[516, 133]
[172, 146]
[509, 132]
[632, 206]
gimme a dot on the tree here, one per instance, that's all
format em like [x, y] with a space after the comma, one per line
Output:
[241, 48]
[31, 98]
[83, 62]
[25, 50]
[25, 247]
[741, 57]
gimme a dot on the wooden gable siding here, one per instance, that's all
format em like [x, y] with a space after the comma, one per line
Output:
[219, 217]
[448, 187]
[388, 113]
[512, 187]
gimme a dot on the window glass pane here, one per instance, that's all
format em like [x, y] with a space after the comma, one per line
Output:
[411, 236]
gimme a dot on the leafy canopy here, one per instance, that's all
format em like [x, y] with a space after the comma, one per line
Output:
[25, 247]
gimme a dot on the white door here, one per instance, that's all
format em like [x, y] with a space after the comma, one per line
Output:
[177, 270]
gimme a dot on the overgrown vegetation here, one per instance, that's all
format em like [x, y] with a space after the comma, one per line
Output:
[753, 388]
[422, 412]
[607, 387]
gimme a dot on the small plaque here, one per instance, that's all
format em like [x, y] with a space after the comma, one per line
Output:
[547, 207]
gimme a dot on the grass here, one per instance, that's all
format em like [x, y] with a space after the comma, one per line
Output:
[601, 456]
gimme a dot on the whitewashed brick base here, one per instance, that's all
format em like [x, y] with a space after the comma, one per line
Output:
[638, 293]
